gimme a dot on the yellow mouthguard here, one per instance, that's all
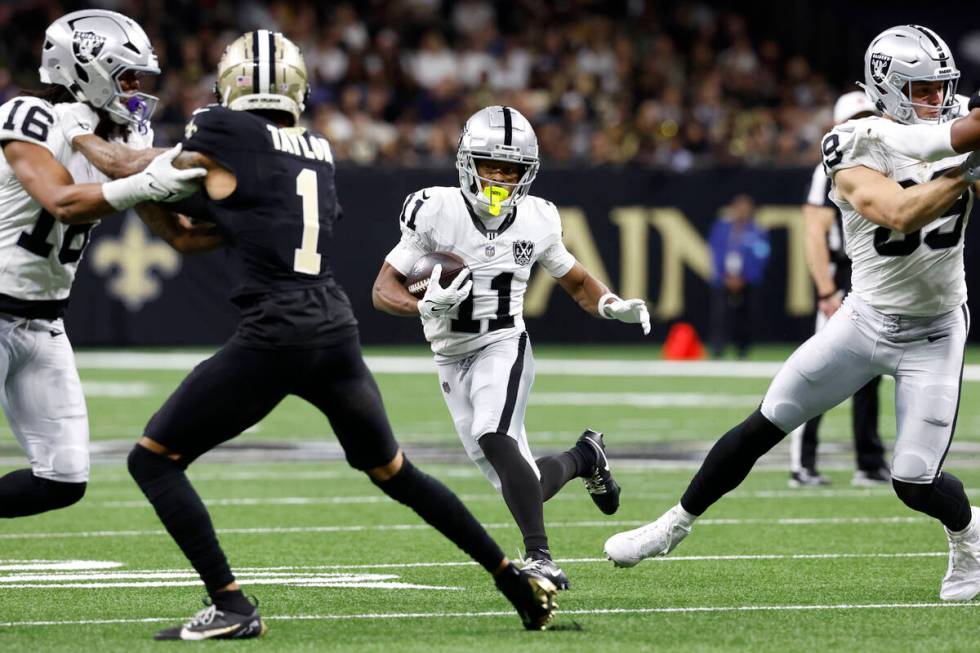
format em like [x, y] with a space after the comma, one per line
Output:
[496, 195]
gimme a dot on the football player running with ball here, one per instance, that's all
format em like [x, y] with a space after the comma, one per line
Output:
[906, 315]
[50, 199]
[476, 328]
[270, 193]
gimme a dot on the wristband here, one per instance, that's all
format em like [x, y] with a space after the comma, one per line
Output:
[600, 308]
[125, 193]
[829, 295]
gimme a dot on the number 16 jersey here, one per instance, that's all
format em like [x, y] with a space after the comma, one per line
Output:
[38, 254]
[916, 274]
[499, 253]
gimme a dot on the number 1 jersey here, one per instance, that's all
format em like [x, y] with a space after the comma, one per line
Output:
[916, 274]
[499, 253]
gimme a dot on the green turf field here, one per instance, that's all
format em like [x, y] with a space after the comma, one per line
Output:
[339, 567]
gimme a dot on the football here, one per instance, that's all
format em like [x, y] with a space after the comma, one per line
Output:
[418, 277]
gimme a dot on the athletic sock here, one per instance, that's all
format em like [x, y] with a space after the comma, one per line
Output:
[520, 487]
[441, 509]
[232, 601]
[943, 499]
[729, 461]
[183, 514]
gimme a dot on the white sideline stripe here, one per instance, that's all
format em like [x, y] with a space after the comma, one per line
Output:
[790, 521]
[108, 360]
[501, 613]
[372, 498]
[644, 399]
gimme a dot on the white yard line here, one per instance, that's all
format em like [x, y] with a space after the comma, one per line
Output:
[788, 521]
[510, 614]
[121, 360]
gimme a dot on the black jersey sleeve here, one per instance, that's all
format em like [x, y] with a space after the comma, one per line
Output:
[220, 134]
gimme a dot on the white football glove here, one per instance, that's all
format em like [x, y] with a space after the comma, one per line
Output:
[160, 182]
[629, 311]
[140, 140]
[439, 301]
[76, 119]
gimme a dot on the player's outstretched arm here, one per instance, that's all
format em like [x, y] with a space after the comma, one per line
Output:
[52, 186]
[78, 122]
[389, 294]
[596, 299]
[883, 201]
[180, 233]
[114, 160]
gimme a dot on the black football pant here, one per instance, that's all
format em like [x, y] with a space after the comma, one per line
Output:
[236, 388]
[868, 449]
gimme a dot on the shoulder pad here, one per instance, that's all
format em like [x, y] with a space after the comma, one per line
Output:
[841, 148]
[28, 119]
[421, 209]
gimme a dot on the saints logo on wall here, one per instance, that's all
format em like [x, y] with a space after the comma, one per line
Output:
[523, 251]
[87, 46]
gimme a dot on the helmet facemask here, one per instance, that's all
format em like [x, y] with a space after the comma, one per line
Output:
[502, 135]
[89, 51]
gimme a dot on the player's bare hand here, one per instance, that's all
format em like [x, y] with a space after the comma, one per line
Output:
[439, 301]
[830, 305]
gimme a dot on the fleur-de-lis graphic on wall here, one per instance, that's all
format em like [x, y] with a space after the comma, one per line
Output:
[129, 257]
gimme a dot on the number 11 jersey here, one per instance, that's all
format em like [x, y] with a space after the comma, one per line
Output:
[916, 274]
[499, 253]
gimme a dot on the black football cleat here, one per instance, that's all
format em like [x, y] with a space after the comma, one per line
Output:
[601, 485]
[545, 568]
[211, 623]
[532, 596]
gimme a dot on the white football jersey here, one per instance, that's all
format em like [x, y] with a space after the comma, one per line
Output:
[38, 254]
[499, 253]
[918, 274]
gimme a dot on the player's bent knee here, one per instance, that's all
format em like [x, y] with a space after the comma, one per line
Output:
[785, 414]
[911, 468]
[387, 471]
[70, 465]
[914, 495]
[145, 466]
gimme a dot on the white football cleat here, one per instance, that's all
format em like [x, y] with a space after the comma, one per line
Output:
[655, 539]
[962, 580]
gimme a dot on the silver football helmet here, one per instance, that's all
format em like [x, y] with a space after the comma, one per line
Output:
[501, 134]
[87, 51]
[904, 54]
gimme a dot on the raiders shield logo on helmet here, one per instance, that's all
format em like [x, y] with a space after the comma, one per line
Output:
[523, 251]
[880, 63]
[86, 46]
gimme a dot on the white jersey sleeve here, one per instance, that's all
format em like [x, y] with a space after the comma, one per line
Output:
[556, 259]
[842, 149]
[31, 120]
[415, 222]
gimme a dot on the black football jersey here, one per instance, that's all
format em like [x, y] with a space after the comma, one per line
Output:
[275, 225]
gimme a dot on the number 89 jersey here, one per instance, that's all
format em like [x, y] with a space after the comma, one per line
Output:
[916, 274]
[38, 254]
[499, 256]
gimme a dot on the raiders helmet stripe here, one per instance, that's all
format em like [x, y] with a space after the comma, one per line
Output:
[272, 62]
[508, 127]
[935, 42]
[255, 62]
[263, 59]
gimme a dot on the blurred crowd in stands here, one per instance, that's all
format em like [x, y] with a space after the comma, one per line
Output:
[668, 84]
